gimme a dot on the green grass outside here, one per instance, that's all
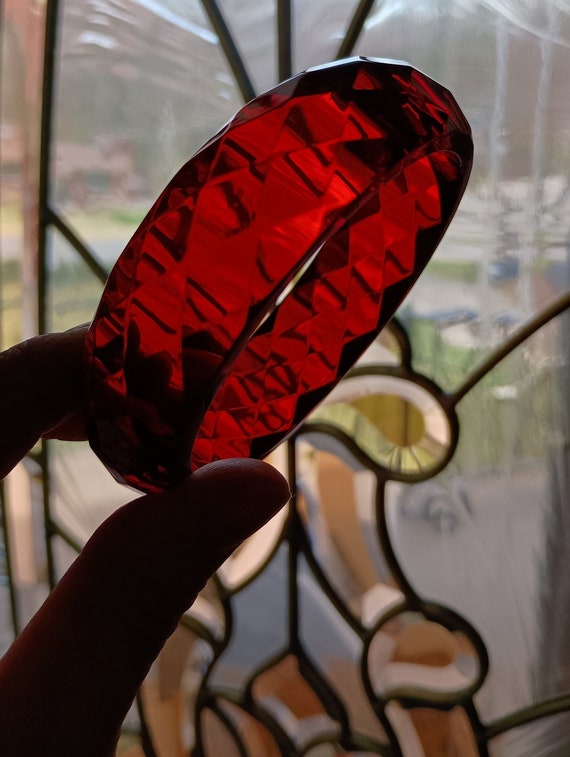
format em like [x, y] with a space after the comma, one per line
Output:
[106, 223]
[458, 270]
[446, 364]
[90, 224]
[494, 431]
[73, 295]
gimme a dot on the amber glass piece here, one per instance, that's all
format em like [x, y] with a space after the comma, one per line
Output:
[268, 264]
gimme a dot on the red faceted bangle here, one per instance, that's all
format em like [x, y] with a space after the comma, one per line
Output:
[267, 266]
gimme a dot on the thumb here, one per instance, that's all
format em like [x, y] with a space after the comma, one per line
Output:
[67, 682]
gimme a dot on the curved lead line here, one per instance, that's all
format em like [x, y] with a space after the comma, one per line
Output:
[526, 331]
[431, 685]
[536, 711]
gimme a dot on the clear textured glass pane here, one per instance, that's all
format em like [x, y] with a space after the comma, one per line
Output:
[140, 87]
[64, 556]
[83, 494]
[285, 692]
[73, 290]
[259, 625]
[336, 651]
[337, 500]
[254, 29]
[11, 294]
[496, 558]
[319, 28]
[23, 499]
[543, 738]
[505, 255]
[21, 34]
[423, 731]
[218, 739]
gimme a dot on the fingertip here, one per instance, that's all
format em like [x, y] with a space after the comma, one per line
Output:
[245, 472]
[245, 492]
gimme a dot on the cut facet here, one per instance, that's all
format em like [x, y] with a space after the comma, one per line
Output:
[268, 264]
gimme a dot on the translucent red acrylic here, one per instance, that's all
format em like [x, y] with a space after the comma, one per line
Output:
[267, 266]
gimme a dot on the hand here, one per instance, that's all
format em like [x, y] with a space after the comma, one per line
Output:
[68, 680]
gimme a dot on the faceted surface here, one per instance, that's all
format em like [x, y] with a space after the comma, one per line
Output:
[267, 266]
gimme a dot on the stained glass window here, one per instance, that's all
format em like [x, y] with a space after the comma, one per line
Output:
[414, 600]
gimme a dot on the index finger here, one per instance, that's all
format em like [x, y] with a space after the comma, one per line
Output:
[41, 386]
